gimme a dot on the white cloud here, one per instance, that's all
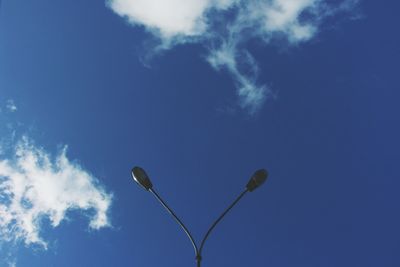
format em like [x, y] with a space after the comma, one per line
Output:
[174, 21]
[169, 18]
[11, 107]
[226, 26]
[282, 16]
[35, 185]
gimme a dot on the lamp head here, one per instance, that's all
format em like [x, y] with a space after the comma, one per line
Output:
[258, 178]
[141, 178]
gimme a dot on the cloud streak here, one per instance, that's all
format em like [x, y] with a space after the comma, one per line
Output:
[225, 27]
[34, 185]
[11, 107]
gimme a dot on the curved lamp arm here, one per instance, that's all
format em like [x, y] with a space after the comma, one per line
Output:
[218, 220]
[184, 228]
[197, 251]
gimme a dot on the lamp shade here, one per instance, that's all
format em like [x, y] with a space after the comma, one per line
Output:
[258, 178]
[141, 178]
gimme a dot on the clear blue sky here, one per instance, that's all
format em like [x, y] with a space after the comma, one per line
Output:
[76, 73]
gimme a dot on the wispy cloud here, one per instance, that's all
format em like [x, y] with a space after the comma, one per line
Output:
[35, 185]
[10, 106]
[225, 26]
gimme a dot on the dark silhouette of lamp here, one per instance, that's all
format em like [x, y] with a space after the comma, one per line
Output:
[141, 178]
[258, 178]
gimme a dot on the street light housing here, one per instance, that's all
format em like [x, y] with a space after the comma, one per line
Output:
[258, 178]
[141, 178]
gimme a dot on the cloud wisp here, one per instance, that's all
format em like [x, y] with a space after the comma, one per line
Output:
[11, 107]
[225, 27]
[34, 185]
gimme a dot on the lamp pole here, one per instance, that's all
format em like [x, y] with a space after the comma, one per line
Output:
[141, 178]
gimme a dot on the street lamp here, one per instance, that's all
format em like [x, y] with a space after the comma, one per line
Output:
[142, 179]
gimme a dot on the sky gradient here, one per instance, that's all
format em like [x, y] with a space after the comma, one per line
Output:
[90, 89]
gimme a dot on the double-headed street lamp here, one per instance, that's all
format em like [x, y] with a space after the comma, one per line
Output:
[141, 178]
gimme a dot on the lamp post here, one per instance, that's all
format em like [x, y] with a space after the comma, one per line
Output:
[142, 179]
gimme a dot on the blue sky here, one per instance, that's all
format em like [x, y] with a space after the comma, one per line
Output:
[200, 94]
